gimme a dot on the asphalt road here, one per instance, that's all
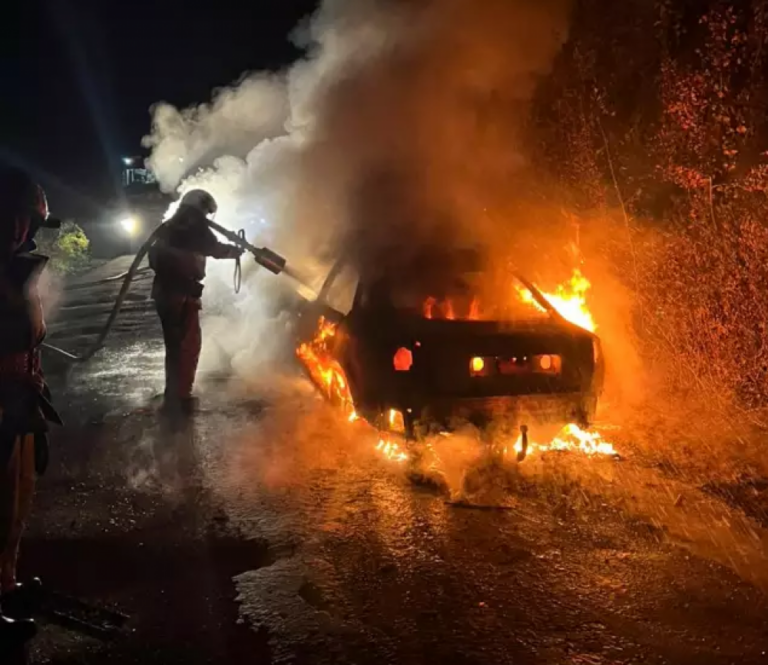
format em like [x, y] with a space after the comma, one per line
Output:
[268, 530]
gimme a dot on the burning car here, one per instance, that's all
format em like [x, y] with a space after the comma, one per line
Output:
[412, 352]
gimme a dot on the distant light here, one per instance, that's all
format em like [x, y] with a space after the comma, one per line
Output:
[130, 225]
[263, 221]
[127, 161]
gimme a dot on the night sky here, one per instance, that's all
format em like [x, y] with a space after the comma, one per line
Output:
[79, 77]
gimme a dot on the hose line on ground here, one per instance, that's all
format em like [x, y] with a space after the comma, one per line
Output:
[127, 279]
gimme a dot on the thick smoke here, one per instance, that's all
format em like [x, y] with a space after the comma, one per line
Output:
[239, 118]
[400, 129]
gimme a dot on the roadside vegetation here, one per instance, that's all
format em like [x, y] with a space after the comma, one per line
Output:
[67, 247]
[653, 126]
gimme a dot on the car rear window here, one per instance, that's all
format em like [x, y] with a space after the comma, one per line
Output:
[468, 296]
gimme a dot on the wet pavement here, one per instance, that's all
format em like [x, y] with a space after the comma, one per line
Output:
[269, 530]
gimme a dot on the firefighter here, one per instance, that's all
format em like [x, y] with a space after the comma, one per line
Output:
[178, 257]
[25, 408]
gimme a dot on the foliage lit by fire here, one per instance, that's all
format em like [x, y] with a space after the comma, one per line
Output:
[665, 128]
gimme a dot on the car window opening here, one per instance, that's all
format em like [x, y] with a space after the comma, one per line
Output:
[469, 297]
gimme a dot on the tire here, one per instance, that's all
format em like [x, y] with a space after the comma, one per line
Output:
[587, 412]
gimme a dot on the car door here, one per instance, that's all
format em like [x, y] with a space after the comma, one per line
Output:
[339, 289]
[328, 304]
[339, 294]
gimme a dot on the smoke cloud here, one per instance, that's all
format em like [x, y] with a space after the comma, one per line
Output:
[402, 128]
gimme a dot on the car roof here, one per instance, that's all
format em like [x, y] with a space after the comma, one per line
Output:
[418, 263]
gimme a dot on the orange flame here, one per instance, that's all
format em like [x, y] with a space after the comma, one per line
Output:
[569, 299]
[447, 310]
[329, 376]
[429, 305]
[572, 438]
[391, 450]
[474, 310]
[324, 369]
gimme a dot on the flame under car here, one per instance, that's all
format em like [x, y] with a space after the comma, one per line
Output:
[416, 353]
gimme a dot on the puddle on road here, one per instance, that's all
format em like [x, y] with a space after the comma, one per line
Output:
[285, 469]
[298, 436]
[275, 597]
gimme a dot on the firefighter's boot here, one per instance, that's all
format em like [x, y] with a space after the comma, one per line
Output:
[188, 405]
[179, 406]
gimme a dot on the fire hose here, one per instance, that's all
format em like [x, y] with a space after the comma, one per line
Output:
[273, 262]
[238, 278]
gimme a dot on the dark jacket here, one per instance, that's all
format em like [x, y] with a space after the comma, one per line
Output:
[24, 397]
[178, 255]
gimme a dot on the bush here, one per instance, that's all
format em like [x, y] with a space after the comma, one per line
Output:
[666, 135]
[67, 247]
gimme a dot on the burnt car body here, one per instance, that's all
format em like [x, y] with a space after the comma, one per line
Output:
[409, 373]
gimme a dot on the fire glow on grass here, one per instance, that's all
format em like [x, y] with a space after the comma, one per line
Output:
[569, 299]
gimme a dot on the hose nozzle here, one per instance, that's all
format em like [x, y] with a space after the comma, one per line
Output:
[270, 260]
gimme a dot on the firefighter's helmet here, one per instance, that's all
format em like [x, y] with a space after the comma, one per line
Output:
[21, 195]
[200, 199]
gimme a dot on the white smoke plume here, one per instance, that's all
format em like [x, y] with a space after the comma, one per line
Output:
[400, 128]
[239, 118]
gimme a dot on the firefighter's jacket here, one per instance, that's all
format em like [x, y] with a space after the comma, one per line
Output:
[178, 255]
[25, 405]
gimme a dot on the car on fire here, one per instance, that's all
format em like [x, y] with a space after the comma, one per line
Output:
[412, 352]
